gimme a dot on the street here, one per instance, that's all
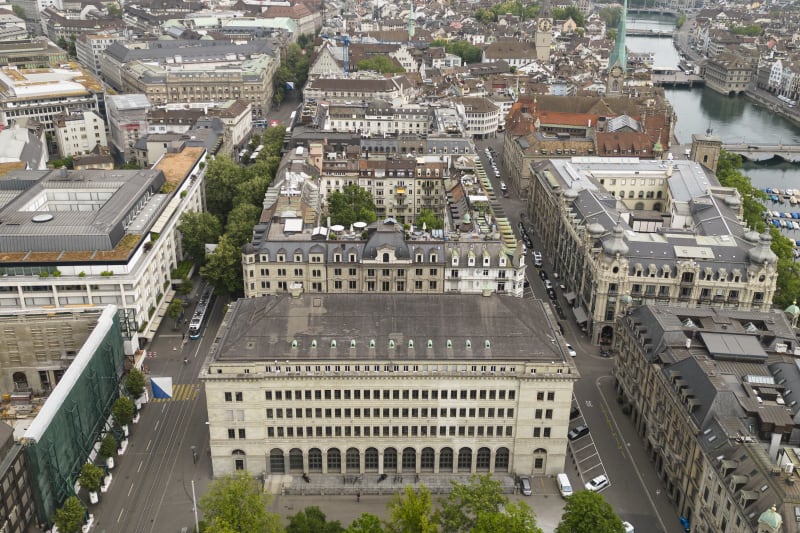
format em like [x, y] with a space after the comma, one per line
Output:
[635, 491]
[152, 491]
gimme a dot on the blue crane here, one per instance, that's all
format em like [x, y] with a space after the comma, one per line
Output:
[345, 40]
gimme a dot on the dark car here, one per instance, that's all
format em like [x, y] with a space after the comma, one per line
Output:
[551, 294]
[543, 274]
[560, 312]
[578, 432]
[575, 413]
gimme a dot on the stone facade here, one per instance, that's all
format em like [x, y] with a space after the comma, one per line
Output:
[385, 384]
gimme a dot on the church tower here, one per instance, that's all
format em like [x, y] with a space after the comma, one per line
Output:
[618, 61]
[412, 29]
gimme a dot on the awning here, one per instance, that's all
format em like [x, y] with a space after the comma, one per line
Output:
[570, 296]
[580, 315]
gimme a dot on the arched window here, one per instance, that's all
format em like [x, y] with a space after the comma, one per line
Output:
[501, 460]
[465, 459]
[371, 460]
[427, 459]
[390, 460]
[296, 460]
[483, 460]
[353, 460]
[314, 460]
[334, 460]
[20, 381]
[539, 461]
[239, 460]
[385, 257]
[446, 460]
[276, 464]
[409, 460]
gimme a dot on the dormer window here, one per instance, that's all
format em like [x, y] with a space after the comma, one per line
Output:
[281, 258]
[352, 258]
[337, 258]
[455, 261]
[471, 261]
[298, 258]
[418, 258]
[486, 260]
[433, 258]
[502, 261]
[264, 258]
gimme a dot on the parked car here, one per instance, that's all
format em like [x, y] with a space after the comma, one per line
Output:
[578, 432]
[537, 259]
[542, 273]
[628, 527]
[551, 294]
[597, 484]
[571, 350]
[548, 284]
[525, 485]
[574, 413]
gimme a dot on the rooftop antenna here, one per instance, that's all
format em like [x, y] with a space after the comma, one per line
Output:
[709, 130]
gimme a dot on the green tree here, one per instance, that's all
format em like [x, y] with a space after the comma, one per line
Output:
[751, 30]
[240, 224]
[366, 523]
[681, 21]
[588, 512]
[185, 287]
[430, 220]
[381, 64]
[108, 446]
[19, 11]
[518, 517]
[197, 230]
[468, 52]
[123, 410]
[251, 192]
[354, 204]
[237, 503]
[611, 16]
[312, 520]
[62, 43]
[273, 142]
[131, 165]
[114, 10]
[563, 13]
[222, 178]
[70, 516]
[224, 267]
[411, 512]
[175, 309]
[91, 477]
[484, 16]
[461, 508]
[135, 382]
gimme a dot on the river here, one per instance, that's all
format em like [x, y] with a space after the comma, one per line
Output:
[732, 119]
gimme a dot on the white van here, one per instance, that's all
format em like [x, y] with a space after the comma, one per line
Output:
[564, 486]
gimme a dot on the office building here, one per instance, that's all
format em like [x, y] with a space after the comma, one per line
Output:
[96, 237]
[79, 133]
[388, 383]
[127, 121]
[626, 231]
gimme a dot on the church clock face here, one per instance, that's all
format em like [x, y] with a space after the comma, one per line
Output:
[544, 25]
[616, 72]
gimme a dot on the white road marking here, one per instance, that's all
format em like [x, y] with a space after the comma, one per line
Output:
[130, 490]
[121, 511]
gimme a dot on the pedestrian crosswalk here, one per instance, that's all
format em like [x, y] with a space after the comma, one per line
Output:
[181, 392]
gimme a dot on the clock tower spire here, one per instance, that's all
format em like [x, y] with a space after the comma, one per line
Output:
[618, 61]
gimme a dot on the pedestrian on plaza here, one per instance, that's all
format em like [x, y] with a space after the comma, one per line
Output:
[358, 496]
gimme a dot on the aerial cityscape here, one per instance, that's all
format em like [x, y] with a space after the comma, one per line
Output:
[460, 266]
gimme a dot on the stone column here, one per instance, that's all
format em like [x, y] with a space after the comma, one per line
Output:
[324, 461]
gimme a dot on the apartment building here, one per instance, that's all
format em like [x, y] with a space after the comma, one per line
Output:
[388, 383]
[373, 118]
[626, 231]
[127, 121]
[96, 237]
[17, 506]
[397, 91]
[480, 116]
[709, 392]
[79, 133]
[43, 94]
[293, 248]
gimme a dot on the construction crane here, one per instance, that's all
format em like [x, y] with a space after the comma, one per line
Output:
[345, 41]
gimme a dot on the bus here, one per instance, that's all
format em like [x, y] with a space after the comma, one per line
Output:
[201, 313]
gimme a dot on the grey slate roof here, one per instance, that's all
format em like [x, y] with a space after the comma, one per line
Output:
[264, 328]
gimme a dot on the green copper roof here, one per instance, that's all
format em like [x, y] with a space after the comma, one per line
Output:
[619, 56]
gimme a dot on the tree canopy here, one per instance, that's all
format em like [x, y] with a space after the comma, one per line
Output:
[381, 64]
[466, 503]
[312, 520]
[429, 218]
[293, 68]
[236, 503]
[353, 204]
[411, 511]
[573, 12]
[468, 52]
[198, 229]
[730, 175]
[69, 517]
[611, 16]
[751, 30]
[526, 11]
[135, 382]
[223, 269]
[587, 511]
[366, 523]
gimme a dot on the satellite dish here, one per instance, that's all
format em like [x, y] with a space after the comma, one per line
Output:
[42, 217]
